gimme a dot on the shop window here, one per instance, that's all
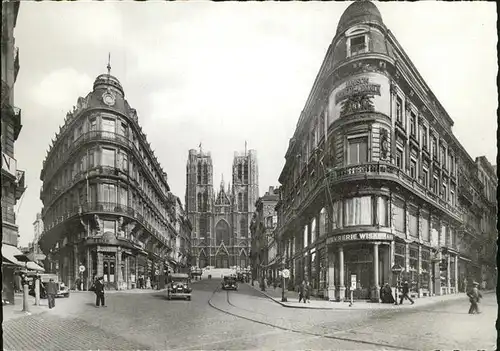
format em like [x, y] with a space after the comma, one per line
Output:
[358, 150]
[359, 211]
[382, 211]
[399, 255]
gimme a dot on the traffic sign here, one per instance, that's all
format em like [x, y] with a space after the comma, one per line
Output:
[286, 273]
[82, 268]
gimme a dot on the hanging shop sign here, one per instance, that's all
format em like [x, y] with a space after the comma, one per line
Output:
[359, 236]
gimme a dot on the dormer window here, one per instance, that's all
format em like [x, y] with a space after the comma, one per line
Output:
[358, 45]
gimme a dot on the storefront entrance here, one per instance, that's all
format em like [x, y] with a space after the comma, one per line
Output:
[109, 270]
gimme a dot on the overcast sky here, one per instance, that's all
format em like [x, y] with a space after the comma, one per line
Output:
[223, 73]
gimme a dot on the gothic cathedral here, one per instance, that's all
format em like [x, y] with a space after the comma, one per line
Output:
[221, 218]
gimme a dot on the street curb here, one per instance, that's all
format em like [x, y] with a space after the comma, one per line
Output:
[288, 306]
[342, 308]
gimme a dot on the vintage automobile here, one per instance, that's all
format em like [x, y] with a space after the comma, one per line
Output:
[229, 283]
[62, 290]
[179, 287]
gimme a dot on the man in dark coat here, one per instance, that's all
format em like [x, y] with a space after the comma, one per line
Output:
[405, 291]
[474, 298]
[99, 292]
[51, 293]
[302, 291]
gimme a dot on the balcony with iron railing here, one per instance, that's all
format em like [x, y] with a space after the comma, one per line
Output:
[110, 208]
[104, 136]
[391, 172]
[100, 171]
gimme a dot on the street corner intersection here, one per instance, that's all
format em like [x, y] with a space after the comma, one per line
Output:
[246, 320]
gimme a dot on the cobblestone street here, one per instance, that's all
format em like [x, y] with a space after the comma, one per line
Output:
[242, 320]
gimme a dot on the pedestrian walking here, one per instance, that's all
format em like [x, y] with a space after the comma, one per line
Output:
[302, 290]
[308, 292]
[99, 292]
[405, 291]
[474, 297]
[51, 293]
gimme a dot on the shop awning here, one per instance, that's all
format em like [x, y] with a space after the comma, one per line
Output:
[9, 254]
[32, 266]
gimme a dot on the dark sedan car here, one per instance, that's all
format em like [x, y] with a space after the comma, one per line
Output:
[229, 283]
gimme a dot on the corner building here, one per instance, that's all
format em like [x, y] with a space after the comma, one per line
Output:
[373, 177]
[107, 202]
[221, 221]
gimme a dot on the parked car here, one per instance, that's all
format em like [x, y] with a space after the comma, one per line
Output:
[229, 283]
[179, 287]
[62, 290]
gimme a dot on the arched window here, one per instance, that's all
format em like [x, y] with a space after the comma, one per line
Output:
[205, 201]
[202, 260]
[222, 232]
[240, 202]
[200, 208]
[205, 173]
[243, 260]
[240, 171]
[199, 172]
[243, 228]
[245, 179]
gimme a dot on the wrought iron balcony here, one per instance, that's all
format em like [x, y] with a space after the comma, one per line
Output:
[390, 171]
[108, 207]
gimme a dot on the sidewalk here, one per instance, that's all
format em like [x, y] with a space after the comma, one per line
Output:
[317, 303]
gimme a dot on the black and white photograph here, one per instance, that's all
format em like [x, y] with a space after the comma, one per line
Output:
[249, 175]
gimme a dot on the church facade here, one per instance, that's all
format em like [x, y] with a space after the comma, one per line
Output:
[221, 217]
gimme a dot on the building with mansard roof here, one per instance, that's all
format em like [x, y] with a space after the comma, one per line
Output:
[107, 206]
[376, 188]
[221, 219]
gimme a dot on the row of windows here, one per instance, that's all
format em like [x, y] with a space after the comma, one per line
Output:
[375, 210]
[108, 157]
[105, 123]
[445, 156]
[204, 224]
[109, 196]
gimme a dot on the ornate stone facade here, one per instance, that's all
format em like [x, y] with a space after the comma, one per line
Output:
[221, 235]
